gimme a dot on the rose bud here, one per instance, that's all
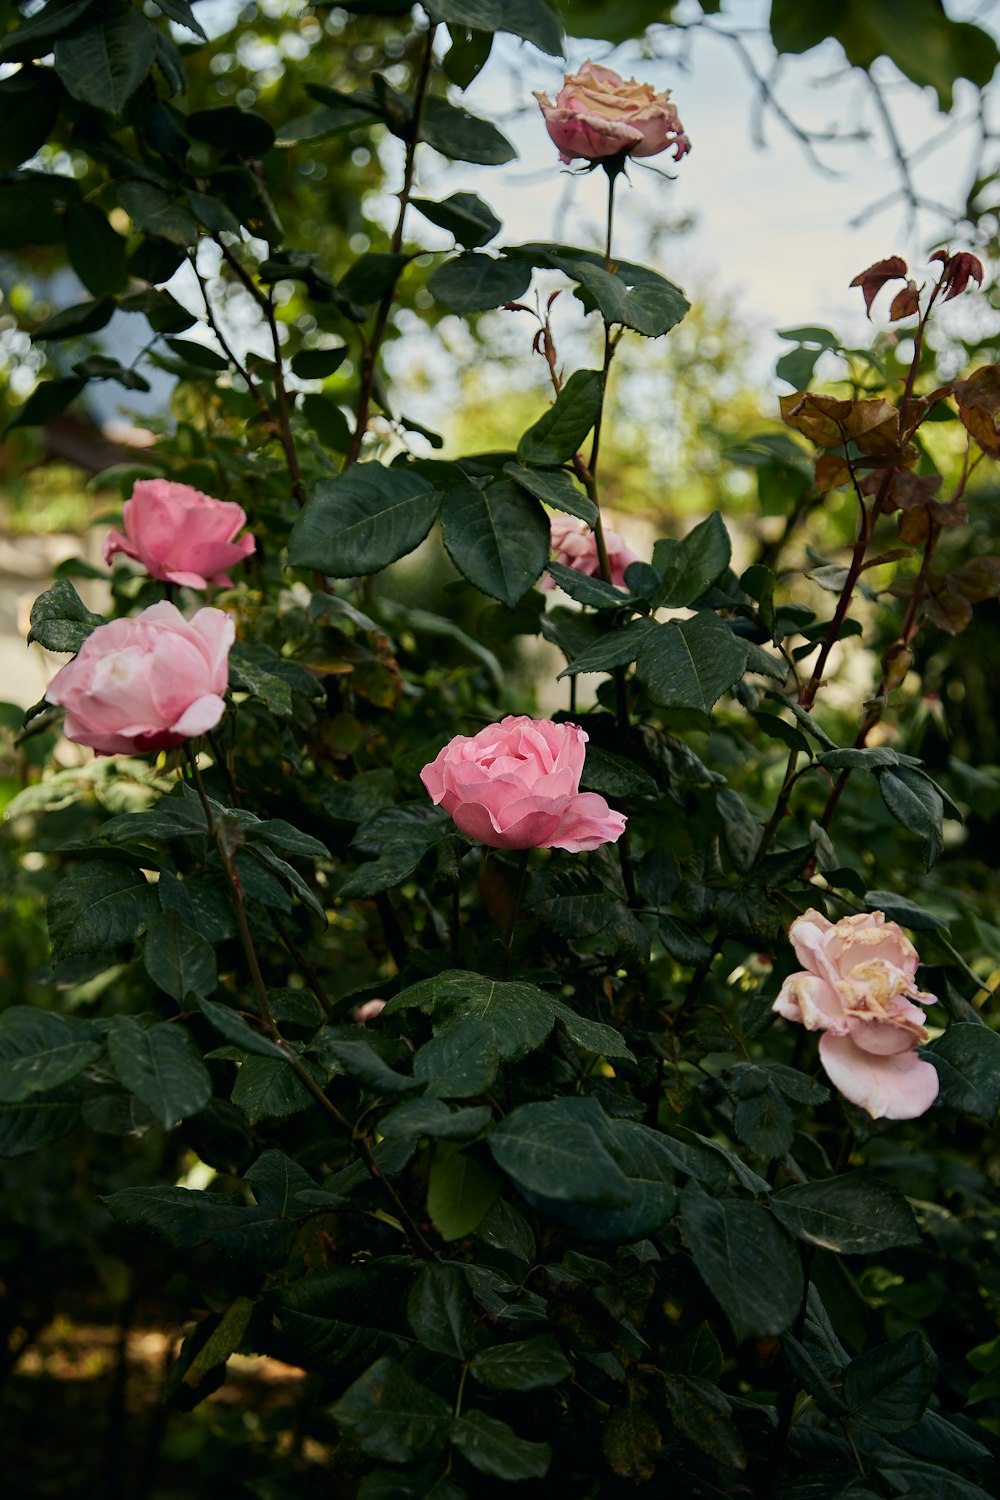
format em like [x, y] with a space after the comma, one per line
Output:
[180, 535]
[575, 546]
[597, 114]
[857, 987]
[147, 682]
[516, 785]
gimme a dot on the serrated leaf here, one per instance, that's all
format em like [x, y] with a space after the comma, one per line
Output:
[529, 1365]
[465, 215]
[494, 1448]
[520, 1015]
[555, 488]
[177, 958]
[474, 283]
[967, 1059]
[854, 1214]
[60, 621]
[497, 536]
[747, 1262]
[462, 136]
[393, 1417]
[361, 521]
[558, 434]
[690, 663]
[99, 904]
[441, 1312]
[887, 1388]
[460, 1061]
[554, 1150]
[160, 1066]
[433, 1117]
[40, 1051]
[104, 63]
[688, 567]
[459, 1192]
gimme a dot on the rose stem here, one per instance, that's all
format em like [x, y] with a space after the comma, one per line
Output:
[269, 1024]
[515, 906]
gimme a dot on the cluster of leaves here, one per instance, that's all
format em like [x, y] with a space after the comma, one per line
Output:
[604, 1188]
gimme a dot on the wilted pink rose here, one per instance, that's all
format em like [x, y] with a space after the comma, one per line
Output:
[575, 546]
[598, 114]
[180, 535]
[515, 785]
[858, 988]
[148, 682]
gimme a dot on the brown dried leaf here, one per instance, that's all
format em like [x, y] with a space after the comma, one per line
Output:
[832, 472]
[631, 1441]
[959, 270]
[977, 579]
[905, 303]
[946, 609]
[978, 406]
[816, 417]
[874, 426]
[914, 525]
[907, 490]
[877, 276]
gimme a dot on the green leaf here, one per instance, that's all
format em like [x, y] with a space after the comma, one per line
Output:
[103, 64]
[361, 521]
[432, 1117]
[276, 1180]
[392, 1417]
[37, 1121]
[635, 296]
[462, 136]
[747, 1262]
[474, 283]
[177, 958]
[494, 1448]
[99, 904]
[467, 56]
[554, 1150]
[266, 1088]
[231, 128]
[97, 253]
[615, 649]
[314, 364]
[555, 488]
[586, 590]
[198, 355]
[520, 1015]
[465, 215]
[534, 21]
[497, 536]
[29, 104]
[854, 1214]
[701, 1414]
[441, 1311]
[530, 1365]
[558, 434]
[160, 1066]
[477, 15]
[183, 1219]
[347, 1049]
[459, 1192]
[967, 1059]
[327, 420]
[591, 1036]
[371, 277]
[923, 1481]
[887, 1388]
[872, 757]
[616, 775]
[40, 1051]
[85, 317]
[237, 1030]
[692, 565]
[60, 621]
[765, 1123]
[647, 1164]
[153, 210]
[460, 1061]
[915, 802]
[47, 400]
[33, 37]
[181, 12]
[224, 1340]
[904, 911]
[691, 663]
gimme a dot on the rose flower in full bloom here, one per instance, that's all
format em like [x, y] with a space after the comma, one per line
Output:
[516, 785]
[575, 546]
[857, 987]
[597, 114]
[180, 535]
[147, 682]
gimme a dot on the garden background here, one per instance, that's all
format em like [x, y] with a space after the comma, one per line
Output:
[556, 1224]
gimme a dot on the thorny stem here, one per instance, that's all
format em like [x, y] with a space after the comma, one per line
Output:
[371, 346]
[358, 1144]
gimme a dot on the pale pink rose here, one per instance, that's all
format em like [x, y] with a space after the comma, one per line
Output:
[148, 682]
[516, 785]
[858, 988]
[598, 114]
[575, 546]
[180, 535]
[368, 1011]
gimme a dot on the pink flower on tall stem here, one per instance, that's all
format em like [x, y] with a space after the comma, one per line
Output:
[516, 785]
[598, 114]
[180, 535]
[858, 988]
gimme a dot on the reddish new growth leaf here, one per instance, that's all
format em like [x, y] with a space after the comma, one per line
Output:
[958, 271]
[877, 276]
[905, 303]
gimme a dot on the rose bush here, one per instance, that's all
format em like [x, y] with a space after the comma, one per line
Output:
[516, 785]
[597, 114]
[180, 535]
[146, 683]
[858, 988]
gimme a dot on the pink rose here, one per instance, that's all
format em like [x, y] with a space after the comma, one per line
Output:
[515, 785]
[180, 535]
[148, 682]
[575, 546]
[362, 1014]
[597, 114]
[858, 988]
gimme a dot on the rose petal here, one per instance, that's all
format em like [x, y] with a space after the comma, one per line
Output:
[897, 1087]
